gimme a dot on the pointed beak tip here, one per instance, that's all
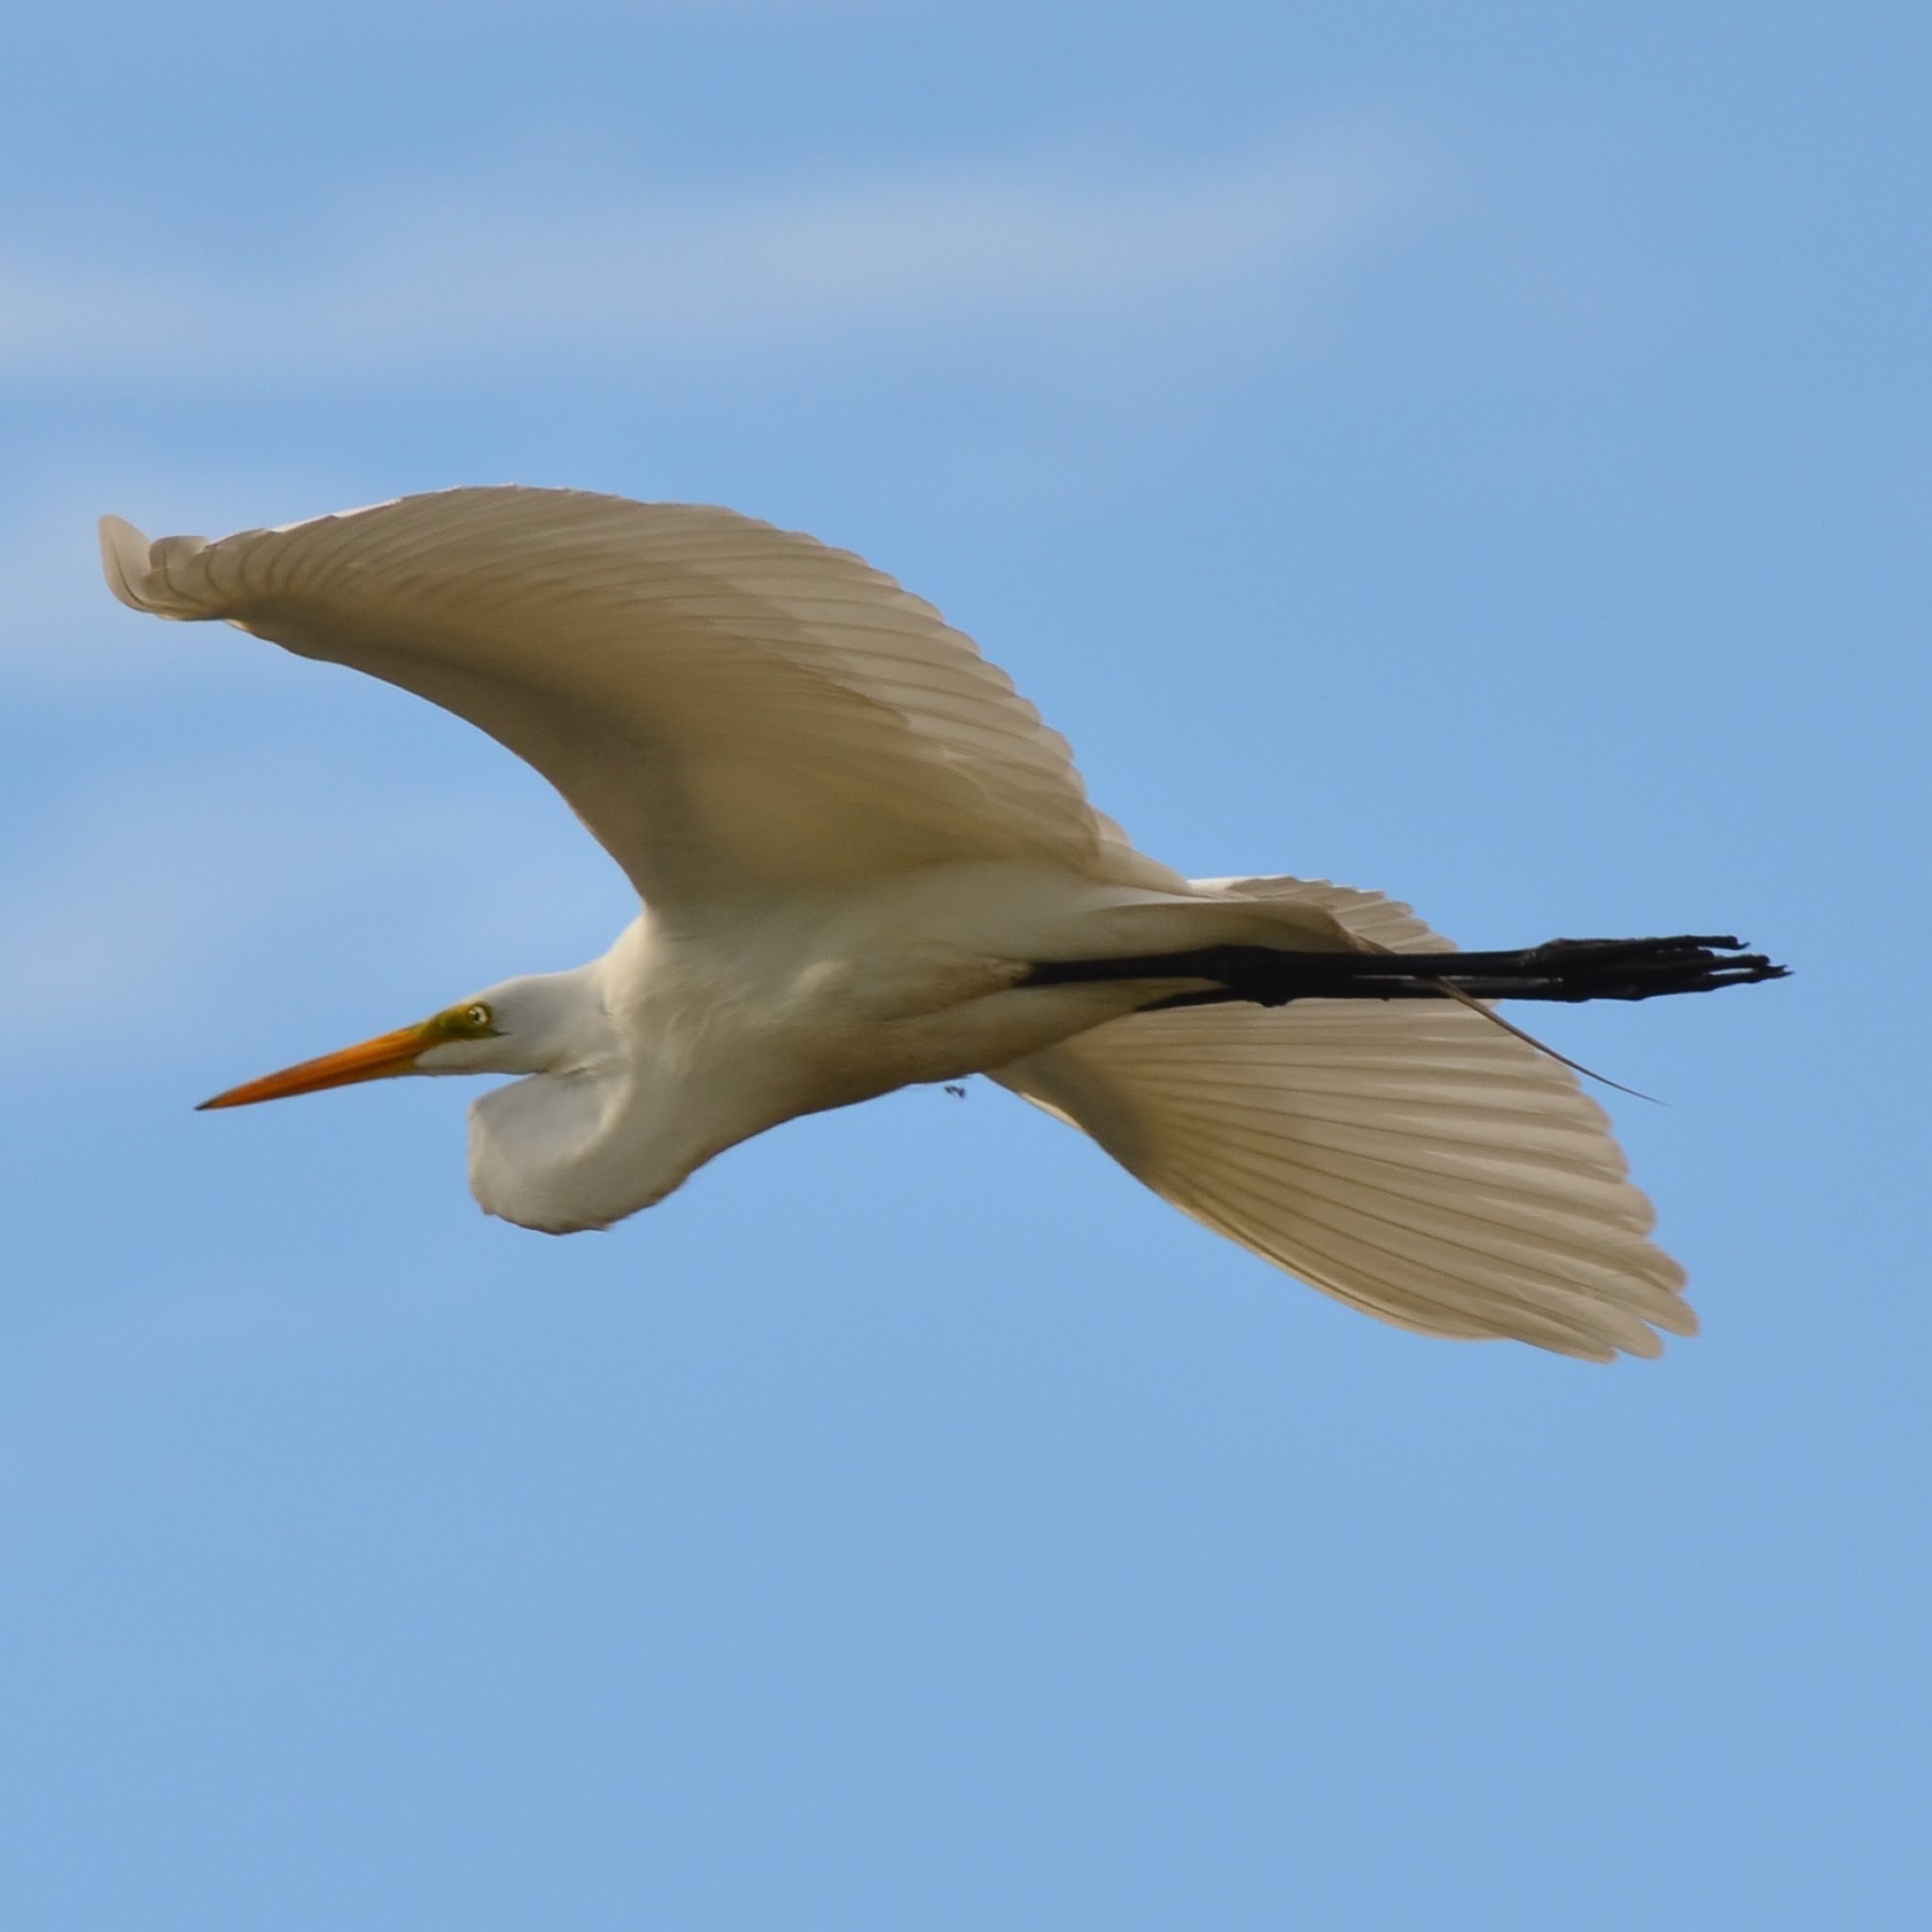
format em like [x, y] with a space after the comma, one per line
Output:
[382, 1058]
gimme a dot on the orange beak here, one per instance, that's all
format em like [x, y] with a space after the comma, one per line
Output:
[388, 1054]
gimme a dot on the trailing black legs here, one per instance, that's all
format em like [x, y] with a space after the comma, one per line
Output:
[1569, 969]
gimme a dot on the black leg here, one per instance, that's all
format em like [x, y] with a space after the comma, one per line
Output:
[1568, 970]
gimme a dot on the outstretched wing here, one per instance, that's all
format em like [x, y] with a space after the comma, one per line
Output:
[1410, 1158]
[730, 707]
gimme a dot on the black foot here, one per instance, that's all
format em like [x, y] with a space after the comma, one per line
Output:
[1568, 970]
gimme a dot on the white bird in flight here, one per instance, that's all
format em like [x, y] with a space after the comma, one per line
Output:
[866, 863]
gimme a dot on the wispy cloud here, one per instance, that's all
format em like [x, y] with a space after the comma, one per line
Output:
[550, 261]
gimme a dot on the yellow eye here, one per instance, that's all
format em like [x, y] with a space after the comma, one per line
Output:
[473, 1022]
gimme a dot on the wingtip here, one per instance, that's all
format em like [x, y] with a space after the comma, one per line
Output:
[134, 571]
[124, 560]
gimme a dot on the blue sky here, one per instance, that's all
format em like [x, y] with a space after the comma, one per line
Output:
[1476, 451]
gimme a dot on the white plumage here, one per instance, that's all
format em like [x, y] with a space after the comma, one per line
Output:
[856, 841]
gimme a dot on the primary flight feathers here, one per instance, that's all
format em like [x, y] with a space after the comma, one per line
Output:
[856, 841]
[807, 720]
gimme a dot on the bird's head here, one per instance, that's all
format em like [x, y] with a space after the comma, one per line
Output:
[537, 1024]
[570, 1146]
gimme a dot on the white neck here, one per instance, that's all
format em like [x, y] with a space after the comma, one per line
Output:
[620, 1113]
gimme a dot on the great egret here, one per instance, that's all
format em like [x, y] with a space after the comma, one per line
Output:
[867, 863]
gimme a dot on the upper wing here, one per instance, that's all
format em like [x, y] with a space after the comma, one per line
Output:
[1408, 1158]
[728, 707]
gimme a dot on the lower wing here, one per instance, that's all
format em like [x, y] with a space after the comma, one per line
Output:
[1411, 1159]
